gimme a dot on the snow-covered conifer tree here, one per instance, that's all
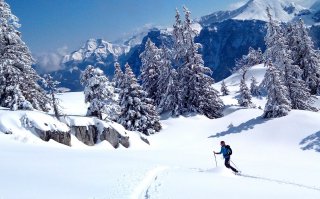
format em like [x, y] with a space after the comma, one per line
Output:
[254, 88]
[19, 88]
[178, 45]
[137, 110]
[305, 55]
[278, 104]
[51, 85]
[99, 92]
[253, 57]
[118, 78]
[118, 75]
[279, 53]
[245, 95]
[167, 84]
[195, 85]
[150, 72]
[224, 89]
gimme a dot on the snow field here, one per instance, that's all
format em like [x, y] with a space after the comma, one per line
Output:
[179, 163]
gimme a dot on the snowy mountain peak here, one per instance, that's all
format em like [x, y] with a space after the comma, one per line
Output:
[282, 10]
[95, 48]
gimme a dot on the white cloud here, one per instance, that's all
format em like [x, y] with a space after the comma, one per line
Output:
[237, 5]
[50, 62]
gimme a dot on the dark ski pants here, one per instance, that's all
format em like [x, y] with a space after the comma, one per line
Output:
[227, 163]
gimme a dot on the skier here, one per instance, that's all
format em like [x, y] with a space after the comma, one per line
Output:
[226, 152]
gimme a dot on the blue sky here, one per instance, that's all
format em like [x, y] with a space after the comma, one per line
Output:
[48, 25]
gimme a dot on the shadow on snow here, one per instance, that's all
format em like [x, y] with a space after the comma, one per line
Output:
[250, 124]
[312, 142]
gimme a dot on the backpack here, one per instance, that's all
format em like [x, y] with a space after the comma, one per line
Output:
[229, 150]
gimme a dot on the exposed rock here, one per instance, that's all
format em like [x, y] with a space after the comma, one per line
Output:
[9, 132]
[145, 140]
[86, 134]
[58, 136]
[115, 138]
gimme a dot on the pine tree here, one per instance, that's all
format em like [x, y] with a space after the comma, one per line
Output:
[167, 84]
[137, 110]
[18, 80]
[304, 54]
[117, 78]
[51, 86]
[196, 93]
[253, 58]
[278, 104]
[118, 75]
[278, 51]
[99, 92]
[224, 89]
[150, 72]
[245, 95]
[178, 45]
[254, 88]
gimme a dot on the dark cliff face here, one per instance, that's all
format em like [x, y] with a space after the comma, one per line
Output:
[315, 34]
[223, 42]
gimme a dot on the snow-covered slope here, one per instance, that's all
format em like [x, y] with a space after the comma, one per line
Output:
[282, 10]
[278, 158]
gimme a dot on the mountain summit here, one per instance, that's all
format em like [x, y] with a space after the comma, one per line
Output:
[96, 49]
[282, 10]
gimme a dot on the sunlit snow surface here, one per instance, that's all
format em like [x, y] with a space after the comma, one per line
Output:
[279, 157]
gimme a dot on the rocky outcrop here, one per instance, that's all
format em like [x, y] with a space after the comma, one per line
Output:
[90, 135]
[58, 136]
[115, 138]
[86, 134]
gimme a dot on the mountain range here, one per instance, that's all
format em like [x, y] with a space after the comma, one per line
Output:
[224, 35]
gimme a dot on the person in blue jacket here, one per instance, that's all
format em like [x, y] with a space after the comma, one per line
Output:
[226, 152]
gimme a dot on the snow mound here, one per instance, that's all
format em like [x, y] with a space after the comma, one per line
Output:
[20, 123]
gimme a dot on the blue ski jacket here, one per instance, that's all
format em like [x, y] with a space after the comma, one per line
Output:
[224, 152]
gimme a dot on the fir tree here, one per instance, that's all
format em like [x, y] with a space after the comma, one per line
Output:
[118, 75]
[278, 51]
[137, 110]
[304, 54]
[150, 72]
[224, 89]
[278, 104]
[254, 88]
[18, 80]
[51, 86]
[167, 84]
[253, 58]
[118, 78]
[99, 93]
[195, 85]
[245, 95]
[178, 45]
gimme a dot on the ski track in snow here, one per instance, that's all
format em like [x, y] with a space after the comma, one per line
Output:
[265, 179]
[280, 181]
[141, 191]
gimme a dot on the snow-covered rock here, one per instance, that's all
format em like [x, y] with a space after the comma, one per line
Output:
[34, 126]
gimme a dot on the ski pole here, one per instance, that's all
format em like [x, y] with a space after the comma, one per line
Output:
[234, 165]
[215, 158]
